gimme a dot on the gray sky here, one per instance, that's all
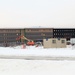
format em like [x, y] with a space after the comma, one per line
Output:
[28, 13]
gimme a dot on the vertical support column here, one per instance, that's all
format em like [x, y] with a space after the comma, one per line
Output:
[22, 34]
[25, 34]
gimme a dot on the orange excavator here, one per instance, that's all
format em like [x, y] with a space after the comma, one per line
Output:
[30, 42]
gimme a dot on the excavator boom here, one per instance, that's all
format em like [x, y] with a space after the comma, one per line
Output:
[30, 42]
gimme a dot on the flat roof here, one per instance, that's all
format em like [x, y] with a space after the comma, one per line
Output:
[34, 27]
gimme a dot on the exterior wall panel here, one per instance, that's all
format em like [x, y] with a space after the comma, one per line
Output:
[64, 33]
[9, 35]
[38, 33]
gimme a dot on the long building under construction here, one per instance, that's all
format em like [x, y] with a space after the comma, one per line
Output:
[8, 36]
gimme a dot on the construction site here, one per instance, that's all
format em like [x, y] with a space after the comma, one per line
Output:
[33, 36]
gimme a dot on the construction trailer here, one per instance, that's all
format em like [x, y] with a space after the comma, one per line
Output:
[54, 43]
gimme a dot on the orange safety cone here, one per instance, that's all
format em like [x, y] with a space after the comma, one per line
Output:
[23, 46]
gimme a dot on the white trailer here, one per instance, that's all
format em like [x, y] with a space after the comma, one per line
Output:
[72, 41]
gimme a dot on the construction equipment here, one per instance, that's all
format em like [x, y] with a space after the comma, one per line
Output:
[30, 42]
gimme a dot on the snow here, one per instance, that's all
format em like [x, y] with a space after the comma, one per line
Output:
[37, 51]
[36, 67]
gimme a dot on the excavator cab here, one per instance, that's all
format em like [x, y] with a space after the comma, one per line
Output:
[30, 43]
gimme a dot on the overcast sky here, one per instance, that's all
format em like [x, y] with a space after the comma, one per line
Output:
[28, 13]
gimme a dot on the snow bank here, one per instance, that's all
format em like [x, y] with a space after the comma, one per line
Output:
[37, 51]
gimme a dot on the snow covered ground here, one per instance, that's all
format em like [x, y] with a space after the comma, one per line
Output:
[37, 51]
[36, 67]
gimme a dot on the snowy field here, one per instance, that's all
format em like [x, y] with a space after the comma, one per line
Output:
[36, 67]
[32, 51]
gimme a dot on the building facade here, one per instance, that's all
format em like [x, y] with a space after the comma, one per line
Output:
[8, 36]
[64, 33]
[38, 34]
